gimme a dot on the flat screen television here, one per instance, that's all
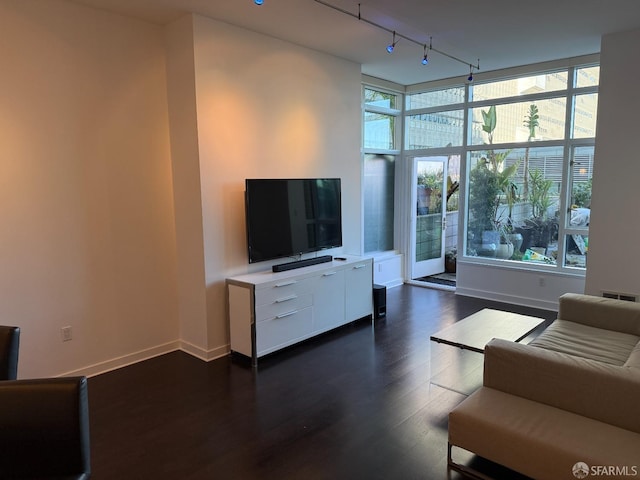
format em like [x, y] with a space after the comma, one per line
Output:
[289, 217]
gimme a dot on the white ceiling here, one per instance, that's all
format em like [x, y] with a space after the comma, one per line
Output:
[500, 33]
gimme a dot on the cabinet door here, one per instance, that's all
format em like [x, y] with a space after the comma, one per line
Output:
[359, 290]
[328, 300]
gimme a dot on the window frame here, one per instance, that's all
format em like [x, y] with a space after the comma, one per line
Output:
[568, 143]
[397, 113]
[393, 152]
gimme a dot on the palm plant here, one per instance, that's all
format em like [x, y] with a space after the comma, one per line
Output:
[539, 199]
[496, 164]
[531, 121]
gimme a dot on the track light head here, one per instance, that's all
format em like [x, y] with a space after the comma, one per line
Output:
[392, 45]
[425, 58]
[470, 77]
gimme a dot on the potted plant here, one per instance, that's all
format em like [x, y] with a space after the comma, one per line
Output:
[482, 208]
[492, 184]
[505, 247]
[540, 229]
[450, 261]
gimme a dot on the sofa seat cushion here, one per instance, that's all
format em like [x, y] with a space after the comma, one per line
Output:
[606, 346]
[535, 439]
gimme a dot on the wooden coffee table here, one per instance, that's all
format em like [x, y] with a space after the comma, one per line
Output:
[460, 371]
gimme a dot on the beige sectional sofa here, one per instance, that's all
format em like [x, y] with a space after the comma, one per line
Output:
[565, 406]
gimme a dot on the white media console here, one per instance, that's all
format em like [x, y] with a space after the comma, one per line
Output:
[269, 311]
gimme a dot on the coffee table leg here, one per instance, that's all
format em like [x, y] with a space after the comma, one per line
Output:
[454, 368]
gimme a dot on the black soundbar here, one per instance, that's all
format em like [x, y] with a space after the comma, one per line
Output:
[282, 267]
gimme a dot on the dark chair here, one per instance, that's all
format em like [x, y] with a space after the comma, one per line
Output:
[44, 429]
[44, 423]
[9, 344]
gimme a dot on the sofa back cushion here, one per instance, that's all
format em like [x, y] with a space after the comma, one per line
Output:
[607, 346]
[608, 313]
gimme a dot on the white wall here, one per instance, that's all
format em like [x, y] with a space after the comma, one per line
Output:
[537, 289]
[614, 231]
[85, 188]
[124, 149]
[267, 108]
[89, 186]
[186, 187]
[257, 107]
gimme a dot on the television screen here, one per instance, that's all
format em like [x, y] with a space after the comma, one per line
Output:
[287, 217]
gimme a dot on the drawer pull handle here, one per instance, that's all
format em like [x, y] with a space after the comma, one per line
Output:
[286, 284]
[328, 274]
[358, 267]
[288, 314]
[286, 299]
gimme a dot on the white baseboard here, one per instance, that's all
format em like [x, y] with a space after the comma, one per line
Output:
[515, 300]
[126, 360]
[123, 361]
[202, 354]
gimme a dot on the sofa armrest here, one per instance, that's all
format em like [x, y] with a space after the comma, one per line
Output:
[589, 388]
[608, 313]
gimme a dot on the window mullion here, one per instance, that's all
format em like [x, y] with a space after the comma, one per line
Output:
[565, 192]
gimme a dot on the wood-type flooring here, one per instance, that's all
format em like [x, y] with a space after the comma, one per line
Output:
[355, 403]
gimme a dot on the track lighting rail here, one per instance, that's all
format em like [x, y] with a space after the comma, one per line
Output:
[396, 34]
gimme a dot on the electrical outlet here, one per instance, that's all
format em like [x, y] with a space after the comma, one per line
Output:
[66, 333]
[541, 281]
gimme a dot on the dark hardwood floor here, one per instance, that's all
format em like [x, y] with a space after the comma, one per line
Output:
[355, 403]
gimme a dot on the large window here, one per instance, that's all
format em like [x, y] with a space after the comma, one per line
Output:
[436, 119]
[511, 120]
[381, 118]
[436, 129]
[379, 179]
[528, 143]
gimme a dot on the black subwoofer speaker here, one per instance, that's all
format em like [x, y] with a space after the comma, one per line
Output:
[379, 300]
